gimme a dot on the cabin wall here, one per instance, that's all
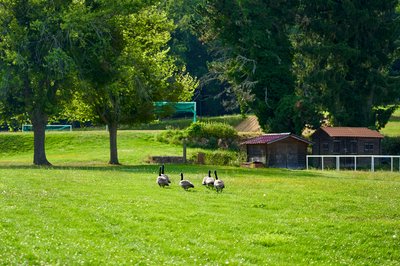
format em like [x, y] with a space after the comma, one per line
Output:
[287, 153]
[325, 145]
[257, 153]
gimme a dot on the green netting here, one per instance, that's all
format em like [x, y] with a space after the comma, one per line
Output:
[179, 107]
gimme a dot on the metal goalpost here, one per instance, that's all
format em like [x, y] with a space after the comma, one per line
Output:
[179, 107]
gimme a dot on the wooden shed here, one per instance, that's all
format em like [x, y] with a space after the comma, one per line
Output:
[281, 150]
[347, 141]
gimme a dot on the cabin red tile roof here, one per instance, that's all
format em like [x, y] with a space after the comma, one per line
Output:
[271, 138]
[359, 132]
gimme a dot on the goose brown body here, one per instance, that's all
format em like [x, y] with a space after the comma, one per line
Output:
[218, 184]
[185, 184]
[162, 180]
[208, 181]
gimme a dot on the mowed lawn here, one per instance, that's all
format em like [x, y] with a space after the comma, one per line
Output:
[83, 212]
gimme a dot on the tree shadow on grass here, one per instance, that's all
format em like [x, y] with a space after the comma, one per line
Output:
[128, 168]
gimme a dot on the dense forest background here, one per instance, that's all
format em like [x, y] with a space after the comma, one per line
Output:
[294, 64]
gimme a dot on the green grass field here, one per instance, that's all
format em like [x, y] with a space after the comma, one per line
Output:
[83, 212]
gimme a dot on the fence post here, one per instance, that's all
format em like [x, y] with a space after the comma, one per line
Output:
[372, 164]
[391, 164]
[184, 151]
[355, 163]
[337, 163]
[322, 163]
[307, 162]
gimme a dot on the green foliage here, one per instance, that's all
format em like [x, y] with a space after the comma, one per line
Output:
[212, 135]
[391, 145]
[255, 54]
[183, 123]
[37, 72]
[126, 65]
[224, 157]
[203, 135]
[207, 130]
[172, 136]
[345, 53]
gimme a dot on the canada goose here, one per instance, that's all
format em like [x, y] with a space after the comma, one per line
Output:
[185, 184]
[208, 181]
[162, 174]
[218, 184]
[162, 181]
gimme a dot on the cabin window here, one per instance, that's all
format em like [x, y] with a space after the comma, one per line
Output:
[369, 147]
[325, 147]
[336, 147]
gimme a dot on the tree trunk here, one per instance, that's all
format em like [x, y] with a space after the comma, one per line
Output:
[39, 121]
[112, 129]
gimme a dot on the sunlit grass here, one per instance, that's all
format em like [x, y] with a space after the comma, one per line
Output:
[264, 216]
[83, 211]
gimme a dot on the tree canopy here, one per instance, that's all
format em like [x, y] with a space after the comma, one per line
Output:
[345, 53]
[35, 70]
[126, 65]
[297, 63]
[293, 63]
[254, 55]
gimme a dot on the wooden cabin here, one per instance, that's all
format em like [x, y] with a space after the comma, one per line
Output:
[346, 141]
[280, 150]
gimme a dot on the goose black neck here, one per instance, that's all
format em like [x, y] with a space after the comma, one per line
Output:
[181, 176]
[215, 173]
[162, 169]
[209, 173]
[159, 171]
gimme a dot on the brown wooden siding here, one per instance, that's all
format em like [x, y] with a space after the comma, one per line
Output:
[325, 145]
[287, 153]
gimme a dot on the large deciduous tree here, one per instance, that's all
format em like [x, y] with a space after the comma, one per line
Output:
[251, 41]
[346, 50]
[35, 67]
[123, 61]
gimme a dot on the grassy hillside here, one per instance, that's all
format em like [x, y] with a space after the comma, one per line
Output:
[182, 123]
[85, 147]
[82, 211]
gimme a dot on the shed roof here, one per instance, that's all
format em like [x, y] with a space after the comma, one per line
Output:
[274, 137]
[359, 132]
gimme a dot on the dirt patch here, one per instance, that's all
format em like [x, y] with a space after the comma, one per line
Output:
[250, 124]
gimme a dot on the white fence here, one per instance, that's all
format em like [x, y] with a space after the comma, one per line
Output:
[372, 158]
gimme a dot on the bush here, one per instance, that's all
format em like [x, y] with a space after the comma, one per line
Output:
[212, 136]
[203, 135]
[223, 157]
[391, 145]
[208, 130]
[172, 136]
